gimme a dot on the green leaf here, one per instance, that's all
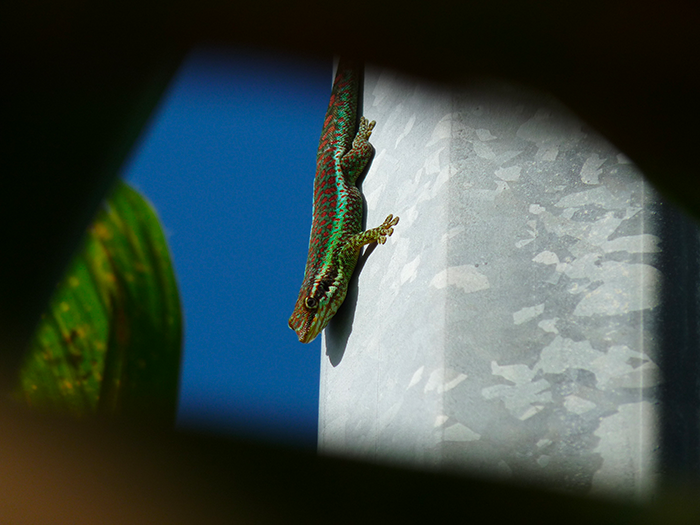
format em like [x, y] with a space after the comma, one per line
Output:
[110, 341]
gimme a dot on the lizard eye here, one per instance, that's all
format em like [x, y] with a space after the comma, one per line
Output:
[311, 303]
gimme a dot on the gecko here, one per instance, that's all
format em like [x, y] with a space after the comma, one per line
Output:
[336, 237]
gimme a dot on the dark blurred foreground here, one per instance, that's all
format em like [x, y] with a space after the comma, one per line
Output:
[56, 471]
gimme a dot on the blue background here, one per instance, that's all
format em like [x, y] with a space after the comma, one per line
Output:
[228, 160]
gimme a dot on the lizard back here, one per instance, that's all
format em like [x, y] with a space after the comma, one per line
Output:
[337, 204]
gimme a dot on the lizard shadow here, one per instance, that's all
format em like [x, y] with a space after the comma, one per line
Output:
[339, 329]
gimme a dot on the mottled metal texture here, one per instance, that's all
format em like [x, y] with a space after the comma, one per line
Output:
[336, 230]
[514, 332]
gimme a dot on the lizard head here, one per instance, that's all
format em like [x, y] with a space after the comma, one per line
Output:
[315, 307]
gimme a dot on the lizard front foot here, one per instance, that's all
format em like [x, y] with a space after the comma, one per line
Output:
[385, 230]
[366, 127]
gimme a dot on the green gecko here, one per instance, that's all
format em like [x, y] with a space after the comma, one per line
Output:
[336, 230]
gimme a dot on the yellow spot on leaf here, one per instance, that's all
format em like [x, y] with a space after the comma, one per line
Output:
[102, 231]
[74, 281]
[65, 306]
